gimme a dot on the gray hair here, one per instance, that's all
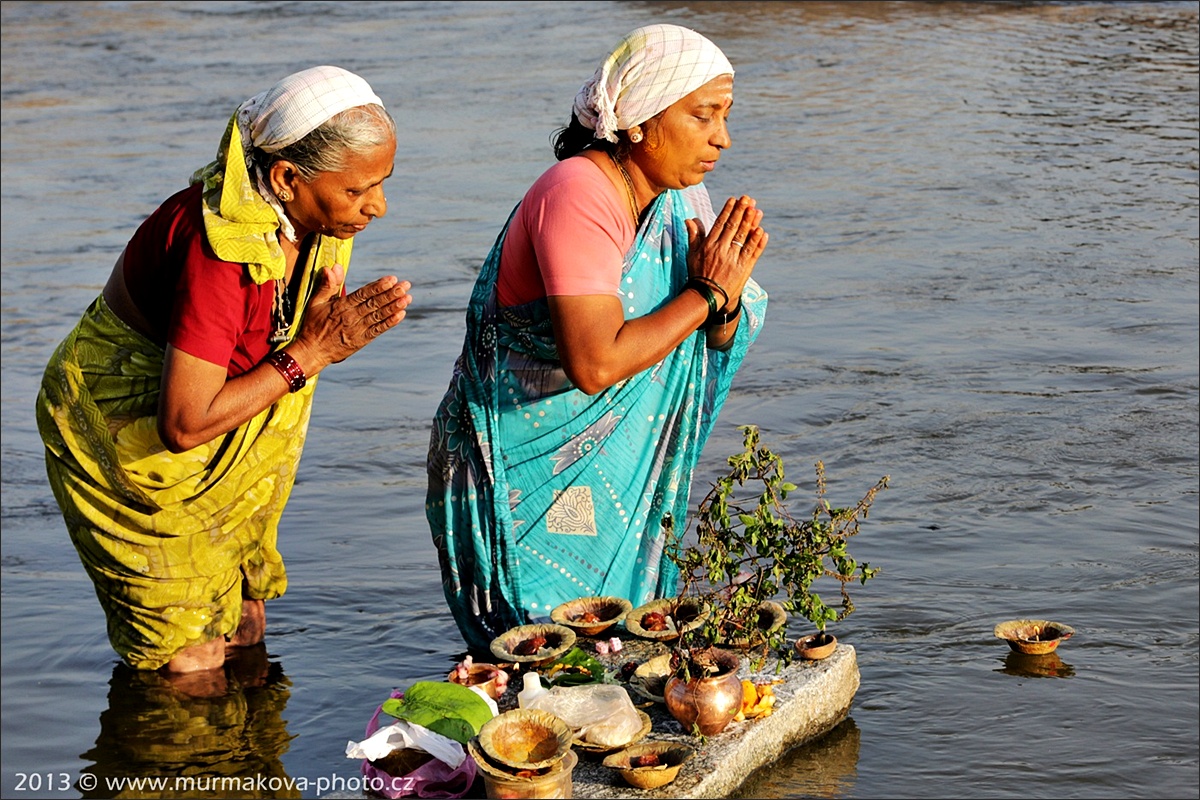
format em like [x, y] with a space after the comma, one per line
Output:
[328, 147]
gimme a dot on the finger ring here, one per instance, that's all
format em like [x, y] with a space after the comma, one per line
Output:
[736, 243]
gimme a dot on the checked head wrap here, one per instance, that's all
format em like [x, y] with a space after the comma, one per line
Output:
[651, 68]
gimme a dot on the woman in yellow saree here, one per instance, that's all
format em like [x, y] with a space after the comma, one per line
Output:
[174, 413]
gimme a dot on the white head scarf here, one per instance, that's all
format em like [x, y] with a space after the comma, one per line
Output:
[299, 104]
[292, 109]
[651, 68]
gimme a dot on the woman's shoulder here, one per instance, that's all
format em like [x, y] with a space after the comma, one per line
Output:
[181, 212]
[572, 195]
[572, 187]
[576, 171]
[175, 231]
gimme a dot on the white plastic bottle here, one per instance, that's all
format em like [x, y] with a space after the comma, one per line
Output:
[531, 690]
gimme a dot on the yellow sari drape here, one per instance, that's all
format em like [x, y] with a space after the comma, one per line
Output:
[167, 538]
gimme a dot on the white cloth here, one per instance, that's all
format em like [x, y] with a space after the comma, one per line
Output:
[651, 68]
[298, 104]
[405, 735]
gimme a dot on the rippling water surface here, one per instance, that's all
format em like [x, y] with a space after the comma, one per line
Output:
[983, 273]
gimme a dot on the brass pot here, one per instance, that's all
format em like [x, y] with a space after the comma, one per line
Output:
[706, 705]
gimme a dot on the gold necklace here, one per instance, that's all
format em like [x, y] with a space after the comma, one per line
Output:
[628, 187]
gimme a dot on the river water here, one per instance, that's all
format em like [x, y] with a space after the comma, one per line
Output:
[983, 273]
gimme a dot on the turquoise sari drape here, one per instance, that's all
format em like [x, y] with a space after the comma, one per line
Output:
[539, 493]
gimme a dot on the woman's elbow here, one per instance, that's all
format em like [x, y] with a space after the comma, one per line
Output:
[175, 439]
[592, 380]
[591, 388]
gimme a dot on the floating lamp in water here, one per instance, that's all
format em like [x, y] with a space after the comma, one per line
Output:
[1033, 636]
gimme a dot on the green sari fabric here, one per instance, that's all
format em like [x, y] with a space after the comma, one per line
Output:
[172, 541]
[539, 493]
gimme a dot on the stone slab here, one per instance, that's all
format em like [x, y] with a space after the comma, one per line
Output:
[812, 698]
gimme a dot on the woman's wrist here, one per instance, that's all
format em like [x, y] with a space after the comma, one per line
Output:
[714, 286]
[704, 290]
[723, 317]
[289, 368]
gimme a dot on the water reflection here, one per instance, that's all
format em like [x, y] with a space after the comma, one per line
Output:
[1047, 665]
[221, 737]
[826, 767]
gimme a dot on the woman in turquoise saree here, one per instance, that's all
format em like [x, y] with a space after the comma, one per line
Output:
[564, 448]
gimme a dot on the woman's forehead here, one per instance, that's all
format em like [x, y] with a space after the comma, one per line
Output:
[717, 93]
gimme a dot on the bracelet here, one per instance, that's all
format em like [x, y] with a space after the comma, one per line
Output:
[724, 317]
[289, 369]
[697, 285]
[724, 294]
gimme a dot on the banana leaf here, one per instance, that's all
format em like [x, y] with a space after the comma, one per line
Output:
[447, 708]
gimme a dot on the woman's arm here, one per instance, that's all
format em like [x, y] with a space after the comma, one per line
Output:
[198, 402]
[600, 348]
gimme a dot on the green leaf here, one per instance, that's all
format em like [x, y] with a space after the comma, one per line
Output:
[592, 669]
[443, 707]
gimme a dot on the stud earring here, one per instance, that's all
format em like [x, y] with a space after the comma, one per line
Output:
[285, 197]
[635, 137]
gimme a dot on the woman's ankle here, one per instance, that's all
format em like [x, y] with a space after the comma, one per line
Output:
[253, 625]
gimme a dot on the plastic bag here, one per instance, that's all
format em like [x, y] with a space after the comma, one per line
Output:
[599, 713]
[434, 778]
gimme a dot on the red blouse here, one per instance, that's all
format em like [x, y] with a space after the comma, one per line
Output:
[206, 307]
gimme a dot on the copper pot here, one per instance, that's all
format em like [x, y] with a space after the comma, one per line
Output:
[706, 705]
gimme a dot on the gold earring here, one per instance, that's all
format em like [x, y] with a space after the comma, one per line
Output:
[635, 137]
[285, 197]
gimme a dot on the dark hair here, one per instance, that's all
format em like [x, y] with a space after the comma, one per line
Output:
[575, 138]
[326, 147]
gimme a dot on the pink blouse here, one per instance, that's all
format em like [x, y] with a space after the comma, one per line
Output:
[568, 237]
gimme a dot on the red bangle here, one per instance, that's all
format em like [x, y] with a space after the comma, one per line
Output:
[289, 369]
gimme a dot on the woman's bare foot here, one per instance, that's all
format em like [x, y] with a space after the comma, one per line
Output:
[253, 627]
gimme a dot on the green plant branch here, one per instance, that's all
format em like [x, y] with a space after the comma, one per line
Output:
[749, 548]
